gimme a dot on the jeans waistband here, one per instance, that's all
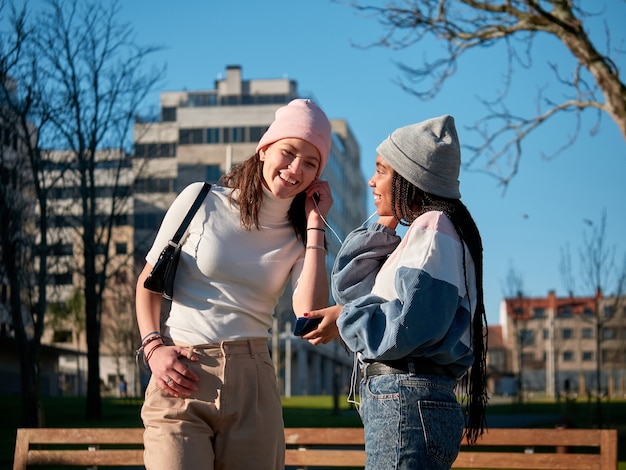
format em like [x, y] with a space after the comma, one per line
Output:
[404, 366]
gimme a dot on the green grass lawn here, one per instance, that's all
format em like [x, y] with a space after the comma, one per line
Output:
[301, 411]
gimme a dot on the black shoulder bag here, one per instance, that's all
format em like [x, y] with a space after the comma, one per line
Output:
[161, 279]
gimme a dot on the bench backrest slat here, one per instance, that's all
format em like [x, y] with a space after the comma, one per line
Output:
[325, 458]
[321, 436]
[546, 437]
[333, 447]
[86, 457]
[84, 435]
[523, 461]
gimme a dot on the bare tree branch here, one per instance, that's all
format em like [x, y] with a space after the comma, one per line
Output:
[460, 26]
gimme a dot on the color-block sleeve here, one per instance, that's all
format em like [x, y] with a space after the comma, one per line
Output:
[361, 255]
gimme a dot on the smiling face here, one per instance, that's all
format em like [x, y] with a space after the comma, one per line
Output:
[289, 166]
[381, 185]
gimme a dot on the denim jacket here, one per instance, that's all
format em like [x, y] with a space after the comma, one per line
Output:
[407, 297]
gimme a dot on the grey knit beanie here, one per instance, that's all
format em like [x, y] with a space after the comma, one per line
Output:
[426, 154]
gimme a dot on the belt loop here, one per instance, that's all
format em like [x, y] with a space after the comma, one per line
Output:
[251, 349]
[411, 365]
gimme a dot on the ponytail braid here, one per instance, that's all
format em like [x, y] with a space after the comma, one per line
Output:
[408, 203]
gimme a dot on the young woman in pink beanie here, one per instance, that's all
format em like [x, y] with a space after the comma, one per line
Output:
[212, 401]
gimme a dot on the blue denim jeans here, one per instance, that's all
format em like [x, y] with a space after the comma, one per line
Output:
[411, 422]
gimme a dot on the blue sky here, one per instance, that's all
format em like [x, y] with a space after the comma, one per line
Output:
[312, 42]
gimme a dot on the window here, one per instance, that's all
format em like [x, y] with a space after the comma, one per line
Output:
[609, 333]
[608, 311]
[608, 356]
[213, 173]
[568, 356]
[62, 279]
[587, 356]
[567, 333]
[168, 114]
[121, 248]
[238, 134]
[201, 99]
[564, 312]
[230, 100]
[588, 312]
[213, 135]
[234, 135]
[190, 136]
[148, 221]
[587, 333]
[62, 336]
[539, 313]
[61, 249]
[256, 132]
[153, 185]
[527, 337]
[188, 174]
[155, 150]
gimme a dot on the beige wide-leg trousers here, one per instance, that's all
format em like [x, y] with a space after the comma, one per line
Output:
[234, 421]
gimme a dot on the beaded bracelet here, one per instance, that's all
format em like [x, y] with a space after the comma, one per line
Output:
[315, 228]
[149, 340]
[151, 352]
[316, 247]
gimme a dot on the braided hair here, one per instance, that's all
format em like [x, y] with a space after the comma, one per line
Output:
[408, 203]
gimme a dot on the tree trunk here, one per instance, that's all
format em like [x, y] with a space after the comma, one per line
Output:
[27, 349]
[94, 399]
[29, 379]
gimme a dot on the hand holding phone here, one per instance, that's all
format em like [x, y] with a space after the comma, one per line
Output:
[306, 325]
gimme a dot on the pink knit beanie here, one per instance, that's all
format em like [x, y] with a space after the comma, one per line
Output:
[301, 119]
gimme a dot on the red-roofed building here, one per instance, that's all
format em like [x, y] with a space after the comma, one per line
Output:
[558, 343]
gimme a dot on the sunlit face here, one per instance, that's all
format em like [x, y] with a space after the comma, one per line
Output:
[289, 166]
[381, 186]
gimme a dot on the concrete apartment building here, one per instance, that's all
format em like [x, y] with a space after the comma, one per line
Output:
[200, 135]
[566, 345]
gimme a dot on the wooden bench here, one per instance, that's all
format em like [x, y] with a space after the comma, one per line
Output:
[566, 449]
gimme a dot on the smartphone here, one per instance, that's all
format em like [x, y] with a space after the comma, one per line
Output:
[306, 325]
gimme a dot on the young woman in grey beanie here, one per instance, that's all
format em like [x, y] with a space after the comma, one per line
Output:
[412, 309]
